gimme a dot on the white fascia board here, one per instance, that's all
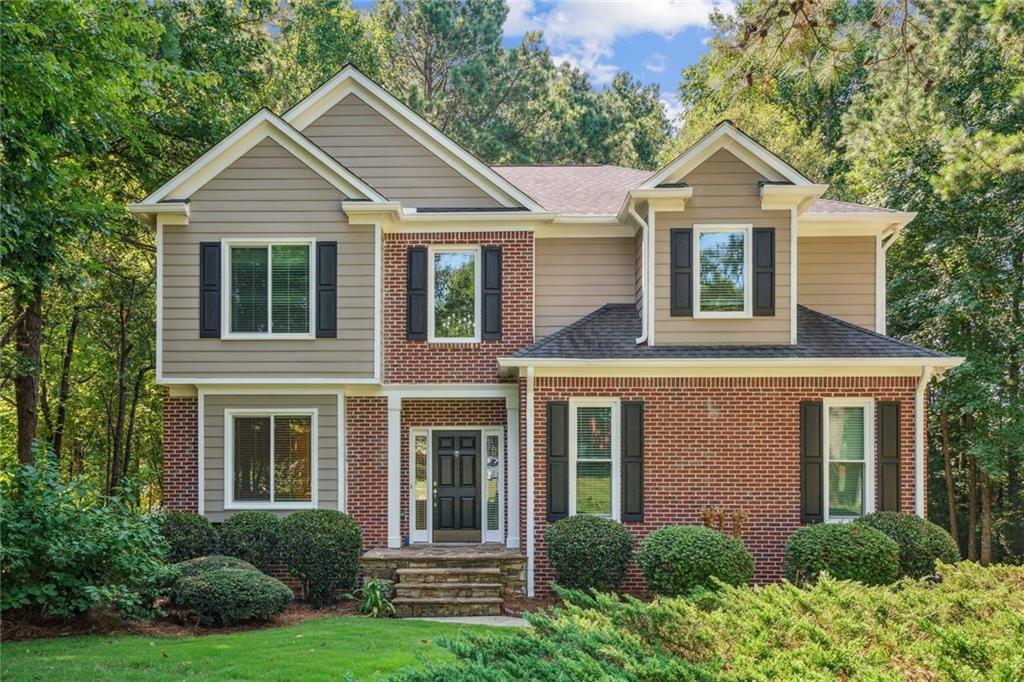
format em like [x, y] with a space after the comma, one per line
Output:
[260, 126]
[862, 224]
[784, 197]
[392, 217]
[738, 363]
[351, 80]
[727, 136]
[658, 198]
[264, 381]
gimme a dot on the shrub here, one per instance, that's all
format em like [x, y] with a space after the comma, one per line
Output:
[678, 559]
[253, 536]
[589, 552]
[214, 562]
[67, 548]
[188, 535]
[229, 596]
[921, 542]
[321, 547]
[848, 551]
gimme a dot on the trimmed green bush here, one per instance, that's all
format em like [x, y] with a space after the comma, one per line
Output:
[677, 559]
[253, 536]
[188, 535]
[214, 562]
[847, 551]
[230, 596]
[321, 547]
[589, 552]
[921, 542]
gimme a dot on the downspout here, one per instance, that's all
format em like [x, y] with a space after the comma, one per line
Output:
[919, 397]
[529, 483]
[643, 273]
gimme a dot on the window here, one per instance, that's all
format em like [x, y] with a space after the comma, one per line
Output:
[594, 457]
[270, 459]
[849, 455]
[269, 289]
[722, 271]
[454, 294]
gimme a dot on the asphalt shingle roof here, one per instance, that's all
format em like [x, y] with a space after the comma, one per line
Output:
[610, 332]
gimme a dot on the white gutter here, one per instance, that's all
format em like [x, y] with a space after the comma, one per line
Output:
[922, 384]
[529, 483]
[910, 361]
[643, 273]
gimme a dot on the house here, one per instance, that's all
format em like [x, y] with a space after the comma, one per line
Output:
[355, 313]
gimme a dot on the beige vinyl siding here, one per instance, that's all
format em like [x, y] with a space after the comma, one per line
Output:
[638, 271]
[575, 277]
[391, 161]
[836, 276]
[213, 444]
[725, 191]
[267, 193]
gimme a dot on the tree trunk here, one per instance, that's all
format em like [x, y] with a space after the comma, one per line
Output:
[28, 340]
[948, 464]
[65, 388]
[972, 510]
[986, 520]
[136, 394]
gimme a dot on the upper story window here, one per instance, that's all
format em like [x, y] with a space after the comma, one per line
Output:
[594, 457]
[849, 458]
[270, 459]
[722, 271]
[454, 294]
[269, 289]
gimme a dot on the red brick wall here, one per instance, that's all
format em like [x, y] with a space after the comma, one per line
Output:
[366, 458]
[421, 361]
[181, 453]
[731, 443]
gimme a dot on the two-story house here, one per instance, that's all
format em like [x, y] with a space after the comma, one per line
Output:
[355, 313]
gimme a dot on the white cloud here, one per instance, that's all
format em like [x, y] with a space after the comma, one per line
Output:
[584, 32]
[673, 109]
[655, 63]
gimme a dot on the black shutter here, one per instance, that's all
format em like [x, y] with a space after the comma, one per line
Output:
[558, 459]
[633, 461]
[811, 462]
[492, 293]
[764, 271]
[889, 456]
[416, 294]
[681, 254]
[209, 290]
[327, 290]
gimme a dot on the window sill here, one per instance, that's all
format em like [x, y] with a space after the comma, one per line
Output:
[268, 337]
[268, 506]
[448, 342]
[723, 316]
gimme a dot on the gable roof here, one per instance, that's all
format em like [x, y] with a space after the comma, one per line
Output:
[610, 332]
[575, 190]
[351, 80]
[260, 126]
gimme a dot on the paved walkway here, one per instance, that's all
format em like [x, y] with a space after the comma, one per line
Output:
[494, 621]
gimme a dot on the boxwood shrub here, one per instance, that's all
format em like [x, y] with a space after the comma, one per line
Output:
[921, 542]
[188, 535]
[847, 551]
[253, 536]
[589, 552]
[230, 596]
[677, 559]
[321, 547]
[214, 562]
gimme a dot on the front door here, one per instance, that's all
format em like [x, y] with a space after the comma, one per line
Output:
[456, 486]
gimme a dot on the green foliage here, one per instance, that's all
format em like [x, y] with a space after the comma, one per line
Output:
[230, 596]
[67, 548]
[376, 598]
[921, 542]
[967, 626]
[588, 552]
[846, 551]
[678, 559]
[253, 536]
[214, 562]
[187, 535]
[321, 547]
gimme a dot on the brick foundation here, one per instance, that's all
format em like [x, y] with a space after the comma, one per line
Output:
[180, 478]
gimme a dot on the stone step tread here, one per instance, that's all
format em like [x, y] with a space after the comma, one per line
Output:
[448, 571]
[446, 586]
[455, 601]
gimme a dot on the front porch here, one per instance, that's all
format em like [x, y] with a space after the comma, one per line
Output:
[449, 580]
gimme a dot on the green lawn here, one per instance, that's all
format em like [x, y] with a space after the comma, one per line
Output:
[321, 649]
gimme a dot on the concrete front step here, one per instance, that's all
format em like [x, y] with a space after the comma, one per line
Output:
[418, 607]
[448, 575]
[447, 590]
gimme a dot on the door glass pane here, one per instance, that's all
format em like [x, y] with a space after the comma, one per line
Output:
[455, 294]
[721, 271]
[594, 488]
[845, 489]
[290, 291]
[293, 459]
[593, 432]
[493, 470]
[846, 433]
[252, 458]
[248, 289]
[420, 486]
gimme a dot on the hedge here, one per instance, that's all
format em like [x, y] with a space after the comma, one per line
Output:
[678, 559]
[230, 596]
[847, 551]
[921, 542]
[588, 552]
[254, 536]
[187, 535]
[321, 547]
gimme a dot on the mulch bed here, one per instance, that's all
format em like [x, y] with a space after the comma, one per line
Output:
[14, 629]
[517, 606]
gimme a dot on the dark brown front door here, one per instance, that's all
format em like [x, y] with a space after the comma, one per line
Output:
[456, 486]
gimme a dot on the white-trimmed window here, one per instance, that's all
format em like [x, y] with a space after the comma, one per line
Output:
[268, 288]
[454, 281]
[270, 459]
[722, 282]
[594, 456]
[849, 458]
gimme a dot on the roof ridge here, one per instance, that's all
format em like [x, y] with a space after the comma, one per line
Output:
[869, 332]
[572, 326]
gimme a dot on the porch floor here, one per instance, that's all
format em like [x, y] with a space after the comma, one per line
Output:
[461, 551]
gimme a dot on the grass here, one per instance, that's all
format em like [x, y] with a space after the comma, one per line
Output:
[333, 648]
